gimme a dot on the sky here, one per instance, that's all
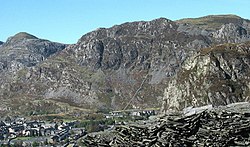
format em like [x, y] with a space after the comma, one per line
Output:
[66, 21]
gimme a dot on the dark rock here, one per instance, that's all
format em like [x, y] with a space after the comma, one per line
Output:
[219, 126]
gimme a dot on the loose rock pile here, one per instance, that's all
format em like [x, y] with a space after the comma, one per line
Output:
[216, 127]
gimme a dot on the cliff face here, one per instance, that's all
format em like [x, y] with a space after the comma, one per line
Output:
[217, 75]
[219, 28]
[125, 66]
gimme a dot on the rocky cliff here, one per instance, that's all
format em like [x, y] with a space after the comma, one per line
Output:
[125, 66]
[220, 28]
[25, 50]
[218, 75]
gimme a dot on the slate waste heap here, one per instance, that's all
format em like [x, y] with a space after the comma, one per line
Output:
[206, 126]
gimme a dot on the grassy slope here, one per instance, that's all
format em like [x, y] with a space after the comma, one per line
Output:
[212, 22]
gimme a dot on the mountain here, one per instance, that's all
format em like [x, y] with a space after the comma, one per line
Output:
[131, 65]
[21, 52]
[25, 50]
[1, 42]
[107, 67]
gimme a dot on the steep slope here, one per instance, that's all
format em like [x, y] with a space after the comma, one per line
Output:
[25, 50]
[125, 66]
[218, 75]
[18, 54]
[107, 68]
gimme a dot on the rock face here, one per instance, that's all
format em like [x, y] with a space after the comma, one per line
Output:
[125, 66]
[221, 28]
[217, 75]
[25, 50]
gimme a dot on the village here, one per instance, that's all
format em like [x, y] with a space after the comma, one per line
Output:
[19, 131]
[13, 132]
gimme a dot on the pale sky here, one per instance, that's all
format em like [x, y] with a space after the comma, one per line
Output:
[67, 20]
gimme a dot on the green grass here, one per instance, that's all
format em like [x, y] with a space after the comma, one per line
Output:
[24, 138]
[212, 21]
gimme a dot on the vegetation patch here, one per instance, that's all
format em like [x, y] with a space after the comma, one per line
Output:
[212, 22]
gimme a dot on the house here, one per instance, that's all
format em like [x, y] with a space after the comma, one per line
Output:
[62, 135]
[33, 124]
[63, 126]
[71, 124]
[4, 131]
[49, 131]
[145, 113]
[16, 129]
[135, 113]
[31, 132]
[19, 120]
[117, 114]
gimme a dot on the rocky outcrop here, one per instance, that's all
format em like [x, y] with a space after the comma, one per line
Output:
[231, 33]
[219, 28]
[218, 75]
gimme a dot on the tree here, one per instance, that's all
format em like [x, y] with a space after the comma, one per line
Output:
[35, 144]
[18, 144]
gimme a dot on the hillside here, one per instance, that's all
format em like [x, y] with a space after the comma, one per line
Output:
[125, 66]
[19, 53]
